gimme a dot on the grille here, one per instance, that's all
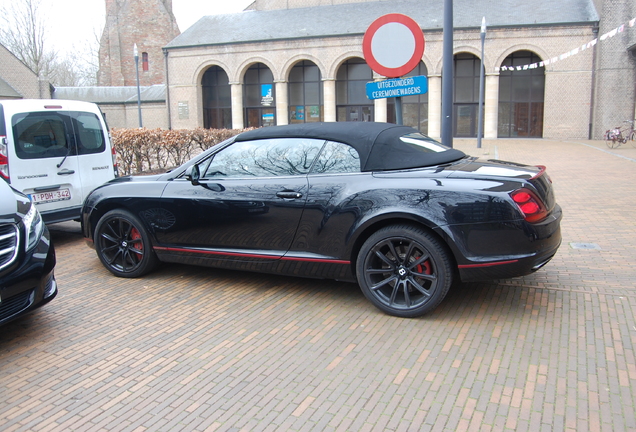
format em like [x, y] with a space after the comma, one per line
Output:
[15, 304]
[9, 240]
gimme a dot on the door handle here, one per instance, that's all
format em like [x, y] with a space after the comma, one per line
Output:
[66, 171]
[289, 195]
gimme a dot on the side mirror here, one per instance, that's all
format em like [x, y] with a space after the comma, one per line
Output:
[193, 174]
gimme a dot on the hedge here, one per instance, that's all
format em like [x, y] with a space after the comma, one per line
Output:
[155, 150]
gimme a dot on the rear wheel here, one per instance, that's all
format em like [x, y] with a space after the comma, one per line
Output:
[404, 271]
[123, 246]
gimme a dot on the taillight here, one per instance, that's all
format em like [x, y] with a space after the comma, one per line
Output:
[4, 158]
[530, 204]
[114, 153]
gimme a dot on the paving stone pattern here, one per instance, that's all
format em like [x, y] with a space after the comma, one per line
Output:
[195, 349]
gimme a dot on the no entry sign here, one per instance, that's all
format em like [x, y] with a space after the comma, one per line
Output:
[393, 45]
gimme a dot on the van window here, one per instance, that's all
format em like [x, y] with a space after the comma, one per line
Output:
[40, 135]
[89, 133]
[56, 134]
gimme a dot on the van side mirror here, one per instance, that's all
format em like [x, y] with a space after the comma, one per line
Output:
[193, 174]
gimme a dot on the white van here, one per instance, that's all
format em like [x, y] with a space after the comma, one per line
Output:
[55, 151]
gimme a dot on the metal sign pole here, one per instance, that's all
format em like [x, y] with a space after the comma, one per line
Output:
[480, 124]
[447, 76]
[398, 111]
[136, 54]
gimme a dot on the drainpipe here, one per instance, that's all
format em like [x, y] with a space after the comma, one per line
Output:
[590, 133]
[165, 56]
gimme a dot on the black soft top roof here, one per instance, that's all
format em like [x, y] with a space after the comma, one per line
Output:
[378, 144]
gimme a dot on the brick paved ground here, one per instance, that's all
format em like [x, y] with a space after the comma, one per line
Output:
[198, 349]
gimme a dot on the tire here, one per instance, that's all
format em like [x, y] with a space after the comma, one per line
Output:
[123, 245]
[404, 271]
[632, 139]
[612, 143]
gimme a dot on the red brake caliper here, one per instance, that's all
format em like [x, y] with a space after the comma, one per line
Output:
[135, 235]
[424, 268]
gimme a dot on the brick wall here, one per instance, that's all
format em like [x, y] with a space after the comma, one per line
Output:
[615, 85]
[22, 79]
[153, 115]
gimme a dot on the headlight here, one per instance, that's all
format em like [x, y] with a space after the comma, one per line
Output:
[34, 226]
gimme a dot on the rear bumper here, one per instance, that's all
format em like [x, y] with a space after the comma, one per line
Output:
[529, 247]
[61, 215]
[506, 268]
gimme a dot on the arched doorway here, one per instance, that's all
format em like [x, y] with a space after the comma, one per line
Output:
[217, 99]
[259, 97]
[414, 108]
[352, 103]
[521, 97]
[305, 93]
[466, 95]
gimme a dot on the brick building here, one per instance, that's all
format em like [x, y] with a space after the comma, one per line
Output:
[18, 81]
[285, 61]
[615, 65]
[150, 24]
[301, 60]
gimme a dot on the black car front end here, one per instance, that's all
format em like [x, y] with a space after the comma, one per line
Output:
[27, 257]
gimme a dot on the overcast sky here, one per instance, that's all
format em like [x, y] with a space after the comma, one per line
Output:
[71, 21]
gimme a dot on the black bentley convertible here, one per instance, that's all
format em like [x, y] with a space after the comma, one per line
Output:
[375, 203]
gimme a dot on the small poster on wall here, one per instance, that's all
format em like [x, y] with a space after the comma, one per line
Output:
[184, 110]
[314, 112]
[267, 95]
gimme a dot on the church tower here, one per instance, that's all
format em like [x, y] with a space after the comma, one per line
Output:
[148, 23]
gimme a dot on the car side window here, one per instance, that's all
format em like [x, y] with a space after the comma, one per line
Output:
[40, 135]
[337, 158]
[263, 158]
[89, 133]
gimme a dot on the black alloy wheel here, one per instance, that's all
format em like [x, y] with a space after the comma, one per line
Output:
[123, 246]
[404, 271]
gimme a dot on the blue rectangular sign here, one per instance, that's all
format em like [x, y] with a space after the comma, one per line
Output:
[397, 87]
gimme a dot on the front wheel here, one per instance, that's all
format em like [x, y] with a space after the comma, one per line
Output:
[123, 246]
[404, 271]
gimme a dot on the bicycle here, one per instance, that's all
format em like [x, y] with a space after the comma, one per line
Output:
[617, 136]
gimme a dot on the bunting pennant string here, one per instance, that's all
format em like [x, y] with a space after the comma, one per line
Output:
[575, 51]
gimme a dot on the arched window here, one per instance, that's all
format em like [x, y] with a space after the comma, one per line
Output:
[217, 99]
[259, 98]
[352, 103]
[466, 95]
[305, 93]
[521, 97]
